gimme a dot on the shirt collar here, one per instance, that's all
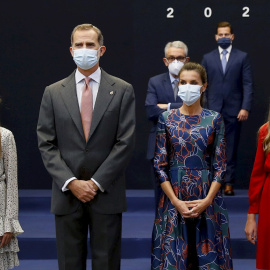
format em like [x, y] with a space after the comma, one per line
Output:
[172, 78]
[94, 76]
[228, 49]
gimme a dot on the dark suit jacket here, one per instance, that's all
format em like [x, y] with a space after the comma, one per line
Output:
[103, 157]
[159, 91]
[230, 92]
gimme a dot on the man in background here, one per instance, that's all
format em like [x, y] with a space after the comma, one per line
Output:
[86, 137]
[162, 91]
[229, 91]
[163, 88]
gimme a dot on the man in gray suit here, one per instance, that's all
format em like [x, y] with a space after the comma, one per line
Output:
[86, 136]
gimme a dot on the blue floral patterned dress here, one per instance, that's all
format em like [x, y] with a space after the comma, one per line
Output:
[190, 153]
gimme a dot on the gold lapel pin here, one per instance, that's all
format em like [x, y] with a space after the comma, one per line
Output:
[111, 93]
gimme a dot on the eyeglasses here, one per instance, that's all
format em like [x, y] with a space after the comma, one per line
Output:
[224, 35]
[179, 58]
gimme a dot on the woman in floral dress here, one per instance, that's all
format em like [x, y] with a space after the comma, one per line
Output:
[9, 223]
[191, 225]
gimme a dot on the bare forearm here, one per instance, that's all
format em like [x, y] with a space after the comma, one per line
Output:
[251, 216]
[180, 205]
[167, 188]
[214, 188]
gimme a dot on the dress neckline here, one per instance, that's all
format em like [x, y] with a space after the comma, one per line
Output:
[191, 115]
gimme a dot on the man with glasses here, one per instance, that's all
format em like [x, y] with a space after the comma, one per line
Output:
[162, 89]
[229, 91]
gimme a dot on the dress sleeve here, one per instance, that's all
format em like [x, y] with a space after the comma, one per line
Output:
[10, 166]
[219, 155]
[258, 174]
[161, 155]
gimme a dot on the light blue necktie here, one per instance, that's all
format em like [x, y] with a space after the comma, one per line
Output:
[175, 89]
[224, 60]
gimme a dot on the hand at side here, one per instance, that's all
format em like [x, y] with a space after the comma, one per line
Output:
[251, 229]
[242, 115]
[5, 239]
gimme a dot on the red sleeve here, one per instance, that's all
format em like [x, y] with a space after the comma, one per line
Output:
[258, 174]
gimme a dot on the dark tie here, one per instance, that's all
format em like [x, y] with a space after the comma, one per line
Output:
[86, 107]
[224, 60]
[175, 89]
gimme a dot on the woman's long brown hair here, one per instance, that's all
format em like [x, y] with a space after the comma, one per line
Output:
[266, 141]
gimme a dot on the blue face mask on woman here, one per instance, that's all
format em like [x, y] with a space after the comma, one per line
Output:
[224, 42]
[189, 93]
[85, 58]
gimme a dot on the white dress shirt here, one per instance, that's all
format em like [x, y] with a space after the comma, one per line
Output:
[94, 84]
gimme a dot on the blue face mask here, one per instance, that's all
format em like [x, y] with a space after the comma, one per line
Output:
[85, 58]
[189, 93]
[224, 42]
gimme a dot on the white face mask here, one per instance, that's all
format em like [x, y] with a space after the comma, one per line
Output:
[85, 58]
[175, 66]
[189, 93]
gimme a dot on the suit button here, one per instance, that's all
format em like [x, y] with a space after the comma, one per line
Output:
[86, 150]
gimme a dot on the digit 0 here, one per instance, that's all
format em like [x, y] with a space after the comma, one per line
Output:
[207, 12]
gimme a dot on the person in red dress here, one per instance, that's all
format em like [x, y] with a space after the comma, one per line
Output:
[259, 192]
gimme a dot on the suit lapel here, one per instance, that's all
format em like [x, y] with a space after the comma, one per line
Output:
[106, 92]
[231, 60]
[168, 88]
[70, 99]
[218, 61]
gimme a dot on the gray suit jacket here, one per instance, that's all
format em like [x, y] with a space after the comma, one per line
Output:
[104, 156]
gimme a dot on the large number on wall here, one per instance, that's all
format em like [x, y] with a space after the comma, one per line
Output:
[246, 12]
[170, 13]
[207, 12]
